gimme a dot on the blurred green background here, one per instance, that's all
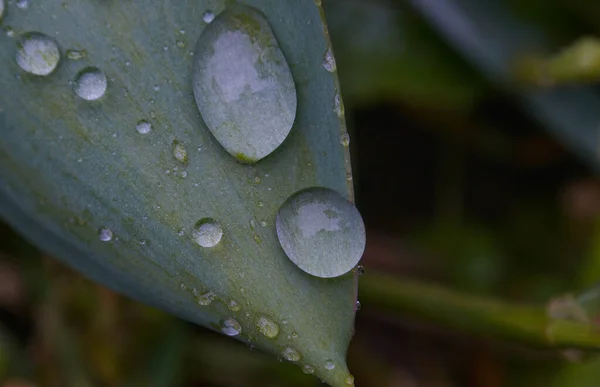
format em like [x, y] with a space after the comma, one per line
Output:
[474, 129]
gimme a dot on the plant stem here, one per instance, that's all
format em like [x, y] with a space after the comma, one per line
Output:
[482, 316]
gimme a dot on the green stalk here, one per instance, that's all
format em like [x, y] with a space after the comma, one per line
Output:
[528, 324]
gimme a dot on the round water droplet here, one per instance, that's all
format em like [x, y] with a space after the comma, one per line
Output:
[329, 365]
[76, 54]
[143, 127]
[249, 104]
[207, 232]
[37, 54]
[231, 327]
[308, 369]
[360, 270]
[179, 152]
[90, 83]
[234, 306]
[357, 306]
[291, 354]
[208, 16]
[180, 43]
[9, 31]
[267, 327]
[23, 4]
[206, 299]
[105, 234]
[345, 139]
[329, 61]
[321, 232]
[349, 380]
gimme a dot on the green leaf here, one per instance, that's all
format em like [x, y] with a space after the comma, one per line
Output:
[121, 204]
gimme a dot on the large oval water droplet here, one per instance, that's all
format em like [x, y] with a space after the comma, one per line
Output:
[242, 84]
[37, 54]
[267, 327]
[90, 83]
[231, 327]
[207, 232]
[321, 232]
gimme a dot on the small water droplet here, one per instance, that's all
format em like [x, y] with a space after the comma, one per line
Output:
[267, 327]
[329, 61]
[127, 63]
[165, 48]
[349, 176]
[37, 53]
[105, 234]
[182, 286]
[76, 54]
[294, 335]
[261, 204]
[142, 241]
[181, 231]
[308, 369]
[90, 83]
[179, 152]
[208, 16]
[249, 104]
[349, 380]
[182, 31]
[234, 306]
[23, 4]
[206, 299]
[360, 270]
[345, 139]
[291, 354]
[143, 127]
[231, 327]
[263, 223]
[329, 365]
[9, 31]
[156, 87]
[180, 43]
[357, 306]
[183, 174]
[338, 106]
[207, 232]
[321, 232]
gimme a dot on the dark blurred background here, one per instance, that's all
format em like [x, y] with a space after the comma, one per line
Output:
[466, 173]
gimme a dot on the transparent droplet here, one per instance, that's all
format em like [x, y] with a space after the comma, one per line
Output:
[180, 43]
[9, 31]
[321, 232]
[329, 365]
[37, 53]
[231, 327]
[249, 104]
[267, 327]
[329, 61]
[105, 234]
[76, 54]
[357, 306]
[23, 4]
[179, 152]
[234, 306]
[291, 354]
[143, 127]
[207, 232]
[90, 83]
[308, 369]
[338, 106]
[206, 299]
[208, 16]
[345, 139]
[156, 87]
[360, 270]
[263, 223]
[349, 380]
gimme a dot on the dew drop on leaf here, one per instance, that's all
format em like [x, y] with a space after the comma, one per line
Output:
[249, 104]
[329, 365]
[37, 54]
[329, 61]
[208, 16]
[206, 299]
[321, 232]
[90, 84]
[308, 369]
[207, 232]
[231, 327]
[179, 152]
[291, 354]
[267, 327]
[143, 127]
[105, 234]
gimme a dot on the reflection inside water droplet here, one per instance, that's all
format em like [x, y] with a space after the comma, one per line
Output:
[143, 127]
[207, 232]
[37, 53]
[231, 327]
[105, 234]
[329, 365]
[90, 84]
[208, 16]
